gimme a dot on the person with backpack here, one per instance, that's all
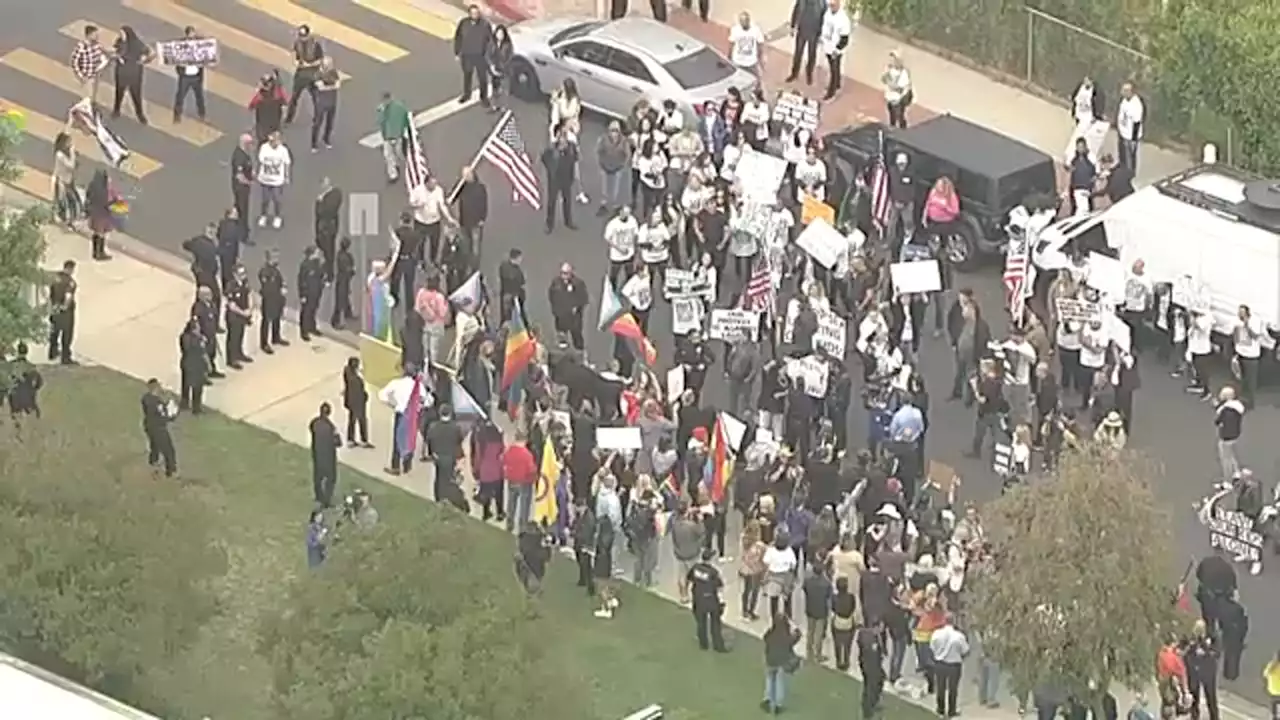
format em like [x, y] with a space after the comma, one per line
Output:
[642, 531]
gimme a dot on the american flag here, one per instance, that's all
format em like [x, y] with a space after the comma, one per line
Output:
[758, 294]
[881, 203]
[1016, 260]
[506, 150]
[415, 166]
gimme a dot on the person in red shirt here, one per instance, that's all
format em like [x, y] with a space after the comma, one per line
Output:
[521, 473]
[1171, 677]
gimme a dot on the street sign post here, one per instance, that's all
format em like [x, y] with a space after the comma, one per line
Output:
[362, 226]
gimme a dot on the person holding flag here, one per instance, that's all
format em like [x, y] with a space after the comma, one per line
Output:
[546, 505]
[520, 351]
[407, 396]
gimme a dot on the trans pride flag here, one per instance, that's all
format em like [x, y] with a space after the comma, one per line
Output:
[377, 315]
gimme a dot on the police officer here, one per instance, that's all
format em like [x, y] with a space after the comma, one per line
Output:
[328, 211]
[204, 261]
[155, 423]
[22, 383]
[870, 640]
[62, 313]
[311, 279]
[407, 257]
[205, 313]
[705, 584]
[694, 355]
[239, 315]
[194, 367]
[271, 287]
[456, 260]
[231, 236]
[325, 442]
[344, 272]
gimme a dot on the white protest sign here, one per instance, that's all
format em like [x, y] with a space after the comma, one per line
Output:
[1233, 531]
[675, 383]
[734, 429]
[734, 326]
[824, 243]
[1081, 311]
[833, 333]
[1118, 331]
[678, 283]
[811, 372]
[1191, 294]
[1106, 275]
[618, 438]
[686, 315]
[920, 276]
[188, 51]
[764, 435]
[759, 176]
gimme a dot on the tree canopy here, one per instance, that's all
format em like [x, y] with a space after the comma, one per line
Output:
[21, 250]
[105, 570]
[1078, 593]
[396, 625]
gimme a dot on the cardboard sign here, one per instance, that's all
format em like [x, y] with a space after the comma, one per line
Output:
[822, 241]
[618, 438]
[686, 315]
[678, 283]
[1232, 531]
[814, 209]
[1106, 275]
[734, 326]
[943, 474]
[1080, 311]
[921, 276]
[759, 176]
[734, 430]
[1118, 332]
[188, 51]
[675, 384]
[833, 331]
[812, 373]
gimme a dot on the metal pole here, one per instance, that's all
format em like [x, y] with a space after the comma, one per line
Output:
[475, 161]
[1031, 42]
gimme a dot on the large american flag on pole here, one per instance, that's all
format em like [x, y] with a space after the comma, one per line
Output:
[758, 294]
[415, 165]
[1017, 260]
[881, 203]
[506, 150]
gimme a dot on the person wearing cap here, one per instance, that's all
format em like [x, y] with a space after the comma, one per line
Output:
[1110, 433]
[902, 198]
[705, 584]
[568, 298]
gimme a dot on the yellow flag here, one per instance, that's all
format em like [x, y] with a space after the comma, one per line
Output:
[545, 507]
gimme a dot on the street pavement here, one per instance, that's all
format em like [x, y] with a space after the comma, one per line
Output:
[282, 393]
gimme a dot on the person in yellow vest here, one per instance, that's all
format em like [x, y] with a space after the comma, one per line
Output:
[1272, 675]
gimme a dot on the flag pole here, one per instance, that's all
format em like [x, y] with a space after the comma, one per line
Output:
[475, 161]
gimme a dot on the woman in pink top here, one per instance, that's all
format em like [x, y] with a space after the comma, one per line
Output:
[943, 204]
[486, 465]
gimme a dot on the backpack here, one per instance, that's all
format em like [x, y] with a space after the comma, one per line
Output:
[642, 524]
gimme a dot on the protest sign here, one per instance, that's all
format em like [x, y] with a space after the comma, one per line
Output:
[618, 438]
[686, 315]
[833, 330]
[734, 430]
[1233, 531]
[759, 176]
[823, 242]
[678, 283]
[188, 51]
[1191, 294]
[921, 276]
[734, 326]
[1073, 310]
[1118, 331]
[814, 209]
[812, 374]
[793, 111]
[675, 383]
[1106, 275]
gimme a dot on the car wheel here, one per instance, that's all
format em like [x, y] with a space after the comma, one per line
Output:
[524, 81]
[961, 246]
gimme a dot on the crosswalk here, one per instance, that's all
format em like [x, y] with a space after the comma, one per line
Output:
[36, 81]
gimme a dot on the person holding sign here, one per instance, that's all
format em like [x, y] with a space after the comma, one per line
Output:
[190, 80]
[811, 176]
[638, 291]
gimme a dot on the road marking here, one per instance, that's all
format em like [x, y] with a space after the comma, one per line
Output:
[327, 29]
[439, 21]
[33, 182]
[47, 129]
[424, 118]
[60, 76]
[225, 87]
[171, 13]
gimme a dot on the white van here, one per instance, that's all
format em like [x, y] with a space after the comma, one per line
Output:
[1196, 230]
[28, 692]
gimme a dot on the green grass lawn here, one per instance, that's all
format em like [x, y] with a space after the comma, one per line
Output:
[258, 486]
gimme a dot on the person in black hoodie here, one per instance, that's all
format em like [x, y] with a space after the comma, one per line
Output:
[1235, 628]
[344, 271]
[194, 366]
[328, 211]
[871, 663]
[1201, 653]
[472, 198]
[780, 661]
[568, 299]
[1127, 383]
[583, 531]
[311, 281]
[511, 288]
[355, 398]
[1083, 178]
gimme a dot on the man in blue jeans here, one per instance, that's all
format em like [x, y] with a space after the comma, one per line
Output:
[521, 473]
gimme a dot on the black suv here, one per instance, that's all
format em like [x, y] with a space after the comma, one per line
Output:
[992, 173]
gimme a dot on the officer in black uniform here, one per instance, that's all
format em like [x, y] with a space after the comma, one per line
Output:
[870, 640]
[325, 442]
[231, 236]
[408, 256]
[62, 313]
[344, 272]
[328, 212]
[155, 423]
[271, 287]
[194, 367]
[205, 314]
[239, 316]
[511, 286]
[456, 260]
[705, 584]
[204, 261]
[311, 279]
[242, 179]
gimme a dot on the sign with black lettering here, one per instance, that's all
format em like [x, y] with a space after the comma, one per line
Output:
[1232, 531]
[188, 51]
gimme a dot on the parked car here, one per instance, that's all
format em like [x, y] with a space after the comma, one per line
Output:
[617, 62]
[992, 173]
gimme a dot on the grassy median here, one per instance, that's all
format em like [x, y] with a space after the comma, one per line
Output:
[258, 488]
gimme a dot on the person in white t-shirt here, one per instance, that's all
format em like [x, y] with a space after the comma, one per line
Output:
[811, 177]
[1247, 340]
[837, 28]
[755, 120]
[1130, 121]
[638, 292]
[1139, 299]
[275, 165]
[746, 45]
[430, 209]
[1093, 357]
[1200, 352]
[655, 244]
[621, 234]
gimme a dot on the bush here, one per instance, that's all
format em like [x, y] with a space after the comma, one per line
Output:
[106, 570]
[362, 638]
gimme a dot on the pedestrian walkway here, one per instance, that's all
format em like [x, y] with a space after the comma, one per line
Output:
[364, 36]
[133, 308]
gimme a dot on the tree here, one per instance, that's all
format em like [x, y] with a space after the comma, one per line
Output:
[1078, 593]
[21, 250]
[415, 622]
[106, 571]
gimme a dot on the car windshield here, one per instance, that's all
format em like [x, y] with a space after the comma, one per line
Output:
[699, 69]
[574, 31]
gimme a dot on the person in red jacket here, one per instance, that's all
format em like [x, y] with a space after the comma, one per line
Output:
[521, 473]
[268, 106]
